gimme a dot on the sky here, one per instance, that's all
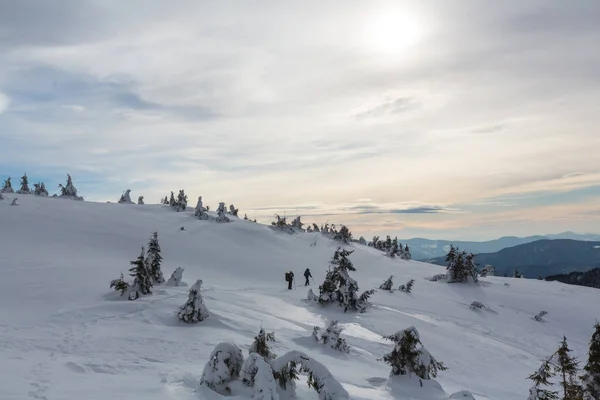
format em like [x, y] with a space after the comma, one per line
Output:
[442, 119]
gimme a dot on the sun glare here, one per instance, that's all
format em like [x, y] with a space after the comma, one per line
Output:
[392, 32]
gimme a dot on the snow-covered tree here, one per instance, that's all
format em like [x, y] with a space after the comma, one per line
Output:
[39, 189]
[24, 185]
[154, 260]
[7, 188]
[408, 287]
[233, 211]
[287, 367]
[142, 283]
[176, 276]
[223, 366]
[393, 249]
[119, 285]
[591, 370]
[488, 270]
[194, 309]
[339, 287]
[69, 190]
[406, 253]
[126, 197]
[331, 336]
[316, 227]
[181, 202]
[542, 379]
[567, 369]
[257, 373]
[477, 305]
[297, 223]
[172, 201]
[199, 210]
[221, 217]
[388, 284]
[343, 235]
[517, 274]
[461, 267]
[14, 202]
[261, 345]
[409, 356]
[141, 200]
[540, 316]
[362, 240]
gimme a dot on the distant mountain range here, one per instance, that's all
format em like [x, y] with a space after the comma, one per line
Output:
[426, 249]
[541, 258]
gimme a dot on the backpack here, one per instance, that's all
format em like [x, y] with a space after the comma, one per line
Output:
[287, 276]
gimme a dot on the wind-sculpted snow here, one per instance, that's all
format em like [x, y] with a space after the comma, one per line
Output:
[63, 335]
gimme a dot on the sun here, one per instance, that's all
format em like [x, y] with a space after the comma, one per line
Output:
[392, 32]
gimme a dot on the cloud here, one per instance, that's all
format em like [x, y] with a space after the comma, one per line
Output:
[240, 103]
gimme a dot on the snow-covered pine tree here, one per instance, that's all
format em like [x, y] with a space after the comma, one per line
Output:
[297, 223]
[181, 203]
[387, 285]
[126, 197]
[172, 201]
[224, 365]
[387, 245]
[567, 368]
[332, 337]
[69, 190]
[471, 268]
[120, 285]
[517, 274]
[39, 189]
[7, 188]
[406, 253]
[176, 276]
[362, 240]
[541, 379]
[316, 227]
[408, 287]
[261, 345]
[458, 270]
[141, 200]
[233, 211]
[24, 185]
[194, 309]
[257, 373]
[221, 217]
[338, 286]
[409, 356]
[154, 260]
[374, 242]
[142, 283]
[394, 250]
[591, 371]
[343, 235]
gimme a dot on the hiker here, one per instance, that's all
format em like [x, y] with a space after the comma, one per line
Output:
[289, 277]
[307, 275]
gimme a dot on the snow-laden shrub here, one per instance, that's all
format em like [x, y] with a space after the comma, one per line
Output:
[69, 191]
[287, 367]
[409, 356]
[224, 365]
[408, 287]
[257, 373]
[221, 217]
[477, 305]
[193, 310]
[126, 197]
[141, 200]
[387, 285]
[260, 345]
[438, 277]
[14, 202]
[39, 189]
[120, 285]
[312, 296]
[540, 316]
[7, 187]
[176, 276]
[331, 336]
[462, 395]
[233, 211]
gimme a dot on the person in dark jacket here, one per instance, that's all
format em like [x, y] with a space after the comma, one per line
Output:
[289, 277]
[307, 275]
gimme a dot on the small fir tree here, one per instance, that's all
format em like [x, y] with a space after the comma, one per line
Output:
[193, 310]
[261, 345]
[7, 188]
[567, 368]
[591, 371]
[119, 285]
[408, 287]
[332, 337]
[406, 254]
[387, 285]
[142, 283]
[394, 250]
[154, 260]
[24, 185]
[471, 268]
[343, 235]
[39, 189]
[181, 203]
[126, 197]
[141, 200]
[69, 190]
[541, 379]
[233, 211]
[172, 201]
[221, 217]
[409, 356]
[176, 277]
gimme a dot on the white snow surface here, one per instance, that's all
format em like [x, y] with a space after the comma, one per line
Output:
[64, 335]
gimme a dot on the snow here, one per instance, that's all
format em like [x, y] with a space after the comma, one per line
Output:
[64, 335]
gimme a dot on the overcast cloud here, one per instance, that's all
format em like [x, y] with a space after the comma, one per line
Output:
[434, 111]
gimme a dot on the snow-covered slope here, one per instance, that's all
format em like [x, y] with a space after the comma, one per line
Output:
[63, 335]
